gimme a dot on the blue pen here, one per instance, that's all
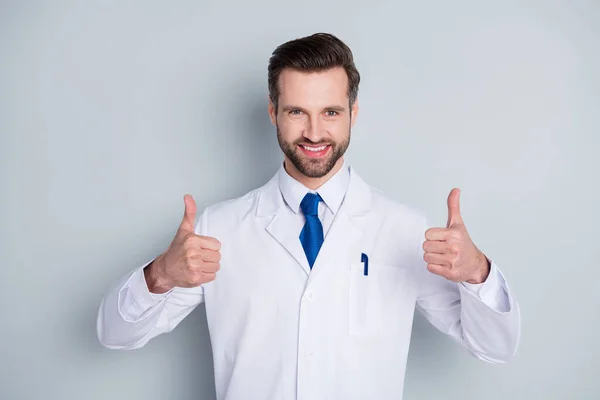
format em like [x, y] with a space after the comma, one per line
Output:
[365, 259]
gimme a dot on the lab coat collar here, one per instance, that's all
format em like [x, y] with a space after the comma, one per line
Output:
[356, 202]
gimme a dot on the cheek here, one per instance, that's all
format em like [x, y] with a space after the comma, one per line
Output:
[290, 129]
[338, 129]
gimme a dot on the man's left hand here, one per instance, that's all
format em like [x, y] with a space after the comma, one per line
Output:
[451, 253]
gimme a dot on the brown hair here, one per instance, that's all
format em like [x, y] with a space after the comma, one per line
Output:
[314, 53]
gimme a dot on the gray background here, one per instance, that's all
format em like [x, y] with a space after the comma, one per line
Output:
[111, 112]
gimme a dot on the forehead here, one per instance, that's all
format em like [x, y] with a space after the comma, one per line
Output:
[315, 88]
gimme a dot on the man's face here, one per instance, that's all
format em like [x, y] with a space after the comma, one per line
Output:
[313, 119]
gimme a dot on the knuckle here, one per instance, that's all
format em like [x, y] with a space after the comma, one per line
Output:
[189, 254]
[188, 239]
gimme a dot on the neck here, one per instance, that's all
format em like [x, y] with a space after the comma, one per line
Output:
[311, 183]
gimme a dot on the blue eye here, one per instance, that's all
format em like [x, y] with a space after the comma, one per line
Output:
[295, 112]
[331, 113]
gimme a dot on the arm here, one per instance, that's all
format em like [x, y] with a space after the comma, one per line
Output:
[485, 319]
[131, 314]
[464, 294]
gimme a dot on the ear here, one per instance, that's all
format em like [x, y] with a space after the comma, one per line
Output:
[272, 112]
[354, 112]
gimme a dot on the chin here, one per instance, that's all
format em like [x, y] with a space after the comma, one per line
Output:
[314, 168]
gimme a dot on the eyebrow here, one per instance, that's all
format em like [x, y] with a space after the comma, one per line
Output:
[328, 108]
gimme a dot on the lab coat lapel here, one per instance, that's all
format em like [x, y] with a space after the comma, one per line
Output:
[279, 228]
[271, 203]
[344, 234]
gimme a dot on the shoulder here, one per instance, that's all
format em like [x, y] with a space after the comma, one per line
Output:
[224, 216]
[396, 211]
[233, 207]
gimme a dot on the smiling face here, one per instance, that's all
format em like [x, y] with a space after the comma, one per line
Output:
[313, 122]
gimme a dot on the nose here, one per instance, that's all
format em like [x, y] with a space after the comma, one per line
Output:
[314, 130]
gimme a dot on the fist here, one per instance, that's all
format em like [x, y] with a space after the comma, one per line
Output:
[191, 260]
[450, 252]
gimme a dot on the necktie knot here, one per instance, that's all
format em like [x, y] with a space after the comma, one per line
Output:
[310, 204]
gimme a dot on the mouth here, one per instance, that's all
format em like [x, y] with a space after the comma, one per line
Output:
[315, 151]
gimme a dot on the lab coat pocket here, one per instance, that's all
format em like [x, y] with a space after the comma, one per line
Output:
[379, 302]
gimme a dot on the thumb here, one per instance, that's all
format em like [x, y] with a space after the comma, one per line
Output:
[454, 217]
[189, 216]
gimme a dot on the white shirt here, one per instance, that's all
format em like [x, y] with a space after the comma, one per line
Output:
[279, 331]
[332, 192]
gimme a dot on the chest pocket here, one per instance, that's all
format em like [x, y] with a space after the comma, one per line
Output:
[382, 302]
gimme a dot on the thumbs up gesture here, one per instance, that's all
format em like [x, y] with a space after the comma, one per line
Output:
[190, 260]
[450, 252]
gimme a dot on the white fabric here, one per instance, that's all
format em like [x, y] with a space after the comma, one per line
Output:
[332, 192]
[282, 331]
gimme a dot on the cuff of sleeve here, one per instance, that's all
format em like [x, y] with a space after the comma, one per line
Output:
[139, 288]
[493, 291]
[135, 299]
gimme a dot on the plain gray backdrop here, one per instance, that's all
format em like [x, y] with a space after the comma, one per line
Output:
[111, 111]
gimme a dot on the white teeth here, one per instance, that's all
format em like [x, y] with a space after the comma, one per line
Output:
[315, 148]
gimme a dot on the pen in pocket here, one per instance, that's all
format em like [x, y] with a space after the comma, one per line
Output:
[364, 259]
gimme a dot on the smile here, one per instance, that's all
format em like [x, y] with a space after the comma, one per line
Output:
[315, 151]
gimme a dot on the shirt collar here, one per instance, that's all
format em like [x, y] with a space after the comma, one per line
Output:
[332, 192]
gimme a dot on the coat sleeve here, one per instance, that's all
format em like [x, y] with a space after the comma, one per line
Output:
[485, 319]
[130, 315]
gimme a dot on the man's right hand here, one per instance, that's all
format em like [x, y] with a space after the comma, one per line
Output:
[190, 260]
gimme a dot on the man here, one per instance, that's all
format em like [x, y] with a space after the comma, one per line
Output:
[311, 281]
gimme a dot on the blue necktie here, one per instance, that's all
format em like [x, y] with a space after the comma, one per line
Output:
[311, 236]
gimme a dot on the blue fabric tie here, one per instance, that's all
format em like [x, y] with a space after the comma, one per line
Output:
[311, 236]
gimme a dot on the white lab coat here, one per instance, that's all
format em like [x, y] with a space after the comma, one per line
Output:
[280, 330]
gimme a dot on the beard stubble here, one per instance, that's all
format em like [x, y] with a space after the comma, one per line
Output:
[312, 168]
